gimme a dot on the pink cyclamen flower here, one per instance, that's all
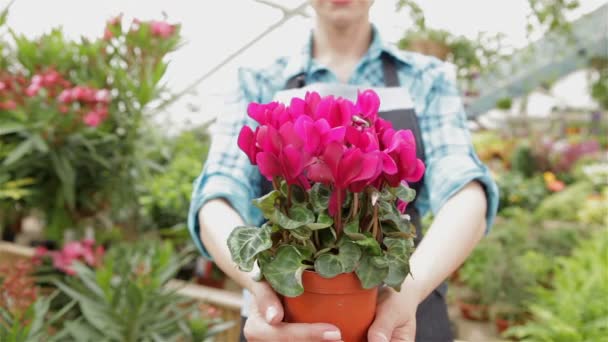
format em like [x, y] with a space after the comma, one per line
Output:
[401, 147]
[161, 29]
[367, 105]
[317, 134]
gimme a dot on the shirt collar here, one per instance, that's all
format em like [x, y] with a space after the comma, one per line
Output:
[301, 61]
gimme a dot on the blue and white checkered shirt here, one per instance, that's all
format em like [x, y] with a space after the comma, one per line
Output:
[451, 162]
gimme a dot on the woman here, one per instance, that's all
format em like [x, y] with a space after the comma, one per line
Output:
[345, 53]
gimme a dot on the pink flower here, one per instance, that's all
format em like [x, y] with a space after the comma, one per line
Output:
[317, 134]
[401, 206]
[247, 144]
[367, 105]
[116, 20]
[343, 167]
[102, 96]
[273, 113]
[50, 78]
[66, 96]
[92, 119]
[401, 147]
[2, 85]
[40, 251]
[37, 79]
[33, 89]
[161, 29]
[8, 105]
[107, 34]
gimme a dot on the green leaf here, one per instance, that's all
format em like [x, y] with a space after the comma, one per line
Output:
[370, 245]
[267, 202]
[11, 128]
[284, 221]
[245, 243]
[404, 193]
[301, 233]
[349, 256]
[284, 272]
[351, 229]
[19, 152]
[319, 197]
[39, 143]
[327, 237]
[370, 271]
[328, 265]
[67, 175]
[397, 254]
[301, 214]
[323, 221]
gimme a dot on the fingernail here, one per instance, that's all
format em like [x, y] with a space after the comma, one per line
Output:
[332, 335]
[270, 313]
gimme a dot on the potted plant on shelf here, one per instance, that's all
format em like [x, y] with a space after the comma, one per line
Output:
[335, 227]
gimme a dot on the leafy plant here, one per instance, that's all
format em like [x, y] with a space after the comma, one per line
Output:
[565, 204]
[127, 299]
[337, 175]
[72, 113]
[516, 190]
[572, 309]
[166, 194]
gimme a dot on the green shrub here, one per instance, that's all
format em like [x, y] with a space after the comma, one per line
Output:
[564, 205]
[166, 194]
[574, 308]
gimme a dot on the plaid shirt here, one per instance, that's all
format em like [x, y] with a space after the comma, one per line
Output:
[451, 162]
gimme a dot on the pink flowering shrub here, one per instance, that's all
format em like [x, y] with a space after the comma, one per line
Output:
[71, 114]
[83, 251]
[340, 175]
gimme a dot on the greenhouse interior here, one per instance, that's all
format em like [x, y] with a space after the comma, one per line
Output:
[108, 112]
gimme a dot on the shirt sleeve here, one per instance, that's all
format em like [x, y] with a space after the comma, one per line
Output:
[227, 173]
[451, 161]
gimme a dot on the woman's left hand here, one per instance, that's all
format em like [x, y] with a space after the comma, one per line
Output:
[395, 316]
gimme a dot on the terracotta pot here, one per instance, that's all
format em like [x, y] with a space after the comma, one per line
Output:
[474, 312]
[501, 324]
[340, 301]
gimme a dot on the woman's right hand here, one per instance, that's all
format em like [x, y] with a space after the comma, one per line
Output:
[265, 321]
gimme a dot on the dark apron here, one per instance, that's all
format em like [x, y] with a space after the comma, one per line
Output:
[432, 321]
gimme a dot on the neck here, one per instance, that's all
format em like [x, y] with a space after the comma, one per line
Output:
[333, 44]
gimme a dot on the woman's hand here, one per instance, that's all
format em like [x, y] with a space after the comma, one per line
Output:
[265, 321]
[395, 316]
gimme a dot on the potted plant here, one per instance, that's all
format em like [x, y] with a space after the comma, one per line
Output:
[335, 227]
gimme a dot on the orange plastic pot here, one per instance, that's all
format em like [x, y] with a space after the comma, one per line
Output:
[340, 301]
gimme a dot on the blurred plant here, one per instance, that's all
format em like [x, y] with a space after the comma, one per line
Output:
[17, 288]
[83, 251]
[550, 16]
[595, 209]
[599, 82]
[72, 114]
[553, 184]
[572, 309]
[564, 205]
[126, 299]
[523, 161]
[36, 323]
[166, 195]
[516, 190]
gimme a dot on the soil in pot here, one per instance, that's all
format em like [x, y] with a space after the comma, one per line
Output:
[340, 301]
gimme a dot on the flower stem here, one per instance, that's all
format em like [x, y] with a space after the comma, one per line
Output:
[316, 237]
[338, 218]
[288, 195]
[375, 222]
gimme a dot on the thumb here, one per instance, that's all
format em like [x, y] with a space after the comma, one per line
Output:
[381, 330]
[268, 303]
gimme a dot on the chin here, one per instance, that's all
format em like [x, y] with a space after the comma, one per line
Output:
[341, 12]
